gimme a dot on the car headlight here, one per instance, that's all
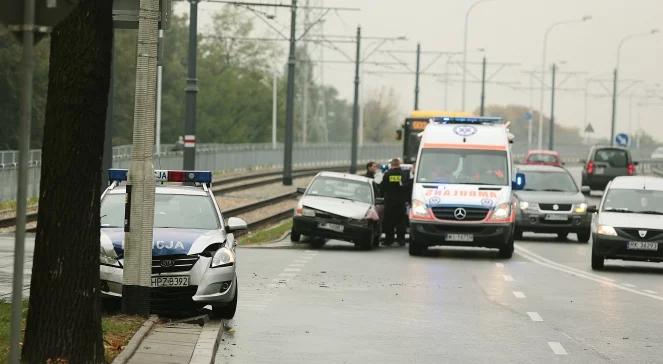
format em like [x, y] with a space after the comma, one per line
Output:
[581, 208]
[524, 205]
[308, 212]
[606, 230]
[419, 209]
[106, 259]
[223, 257]
[502, 211]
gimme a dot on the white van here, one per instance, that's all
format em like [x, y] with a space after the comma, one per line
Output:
[462, 192]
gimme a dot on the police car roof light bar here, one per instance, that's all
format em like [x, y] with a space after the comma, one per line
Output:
[468, 120]
[204, 177]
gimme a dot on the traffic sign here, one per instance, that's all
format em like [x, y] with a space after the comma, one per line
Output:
[622, 140]
[589, 128]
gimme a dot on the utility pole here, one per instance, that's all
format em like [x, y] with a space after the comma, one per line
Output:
[483, 86]
[613, 119]
[551, 132]
[306, 69]
[107, 159]
[290, 100]
[191, 90]
[416, 79]
[274, 110]
[355, 108]
[140, 188]
[157, 140]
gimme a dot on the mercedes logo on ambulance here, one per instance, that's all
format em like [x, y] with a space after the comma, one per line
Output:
[460, 213]
[465, 130]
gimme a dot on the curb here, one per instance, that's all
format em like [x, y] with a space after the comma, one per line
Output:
[208, 343]
[136, 340]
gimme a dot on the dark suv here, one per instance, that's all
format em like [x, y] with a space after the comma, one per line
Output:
[604, 164]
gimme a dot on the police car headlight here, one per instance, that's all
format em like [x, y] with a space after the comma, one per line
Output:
[606, 230]
[419, 209]
[502, 211]
[223, 257]
[581, 208]
[106, 259]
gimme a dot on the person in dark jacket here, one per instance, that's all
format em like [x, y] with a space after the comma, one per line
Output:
[371, 168]
[395, 189]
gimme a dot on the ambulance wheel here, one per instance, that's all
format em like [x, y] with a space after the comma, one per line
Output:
[416, 249]
[506, 252]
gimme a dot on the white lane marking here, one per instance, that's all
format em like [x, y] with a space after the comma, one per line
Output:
[575, 272]
[534, 316]
[518, 294]
[287, 274]
[301, 261]
[294, 265]
[499, 265]
[650, 291]
[292, 270]
[508, 278]
[629, 285]
[557, 348]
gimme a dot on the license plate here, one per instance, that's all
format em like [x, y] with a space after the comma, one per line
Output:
[600, 170]
[170, 281]
[459, 237]
[333, 227]
[642, 245]
[556, 217]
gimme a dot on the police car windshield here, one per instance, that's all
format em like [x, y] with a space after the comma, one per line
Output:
[549, 181]
[170, 211]
[341, 188]
[463, 166]
[634, 201]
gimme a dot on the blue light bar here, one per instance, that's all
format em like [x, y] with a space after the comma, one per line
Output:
[119, 175]
[469, 120]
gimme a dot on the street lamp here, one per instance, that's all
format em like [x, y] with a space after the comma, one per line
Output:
[613, 120]
[543, 68]
[467, 18]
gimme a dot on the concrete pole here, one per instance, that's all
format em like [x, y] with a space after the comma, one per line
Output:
[159, 92]
[290, 100]
[138, 228]
[191, 90]
[483, 86]
[613, 117]
[355, 108]
[416, 79]
[27, 75]
[551, 133]
[274, 110]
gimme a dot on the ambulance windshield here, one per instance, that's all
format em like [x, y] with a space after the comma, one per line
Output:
[463, 166]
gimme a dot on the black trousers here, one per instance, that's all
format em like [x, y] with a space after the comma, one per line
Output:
[395, 218]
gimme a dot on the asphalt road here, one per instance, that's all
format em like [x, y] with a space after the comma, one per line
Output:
[341, 305]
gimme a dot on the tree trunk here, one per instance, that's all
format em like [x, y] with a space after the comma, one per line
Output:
[64, 317]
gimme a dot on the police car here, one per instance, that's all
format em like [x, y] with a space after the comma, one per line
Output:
[193, 252]
[462, 193]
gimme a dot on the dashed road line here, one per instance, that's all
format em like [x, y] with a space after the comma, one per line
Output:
[499, 265]
[557, 348]
[518, 294]
[629, 285]
[534, 316]
[292, 270]
[296, 265]
[508, 278]
[287, 274]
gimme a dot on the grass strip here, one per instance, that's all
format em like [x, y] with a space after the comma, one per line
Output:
[267, 234]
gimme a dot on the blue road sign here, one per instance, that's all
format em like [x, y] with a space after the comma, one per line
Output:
[622, 140]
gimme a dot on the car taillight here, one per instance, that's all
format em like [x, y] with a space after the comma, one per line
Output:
[630, 169]
[590, 167]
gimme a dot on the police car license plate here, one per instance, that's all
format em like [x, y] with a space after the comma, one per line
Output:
[459, 237]
[170, 281]
[556, 217]
[642, 245]
[333, 227]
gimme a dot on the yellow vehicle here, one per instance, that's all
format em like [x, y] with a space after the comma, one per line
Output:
[414, 125]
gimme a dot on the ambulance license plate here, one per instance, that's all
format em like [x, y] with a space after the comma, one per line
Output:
[170, 281]
[642, 245]
[333, 227]
[459, 237]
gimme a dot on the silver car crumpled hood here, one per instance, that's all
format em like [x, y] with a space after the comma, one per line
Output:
[346, 208]
[550, 197]
[632, 221]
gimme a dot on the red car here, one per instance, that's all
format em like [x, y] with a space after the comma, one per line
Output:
[543, 157]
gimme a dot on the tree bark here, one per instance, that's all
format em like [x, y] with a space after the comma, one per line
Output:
[64, 317]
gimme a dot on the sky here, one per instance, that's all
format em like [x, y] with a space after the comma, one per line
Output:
[509, 33]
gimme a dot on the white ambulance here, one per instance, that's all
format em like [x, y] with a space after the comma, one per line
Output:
[462, 193]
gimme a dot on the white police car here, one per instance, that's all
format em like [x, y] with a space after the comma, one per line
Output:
[193, 252]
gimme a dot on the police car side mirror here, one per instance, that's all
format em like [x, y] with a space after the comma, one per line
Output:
[519, 183]
[301, 190]
[235, 224]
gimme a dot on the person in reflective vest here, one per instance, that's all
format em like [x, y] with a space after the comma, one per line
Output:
[395, 189]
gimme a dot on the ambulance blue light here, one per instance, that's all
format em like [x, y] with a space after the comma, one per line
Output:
[119, 175]
[468, 120]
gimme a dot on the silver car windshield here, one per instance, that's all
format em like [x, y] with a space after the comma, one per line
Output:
[170, 211]
[341, 188]
[634, 201]
[463, 166]
[549, 181]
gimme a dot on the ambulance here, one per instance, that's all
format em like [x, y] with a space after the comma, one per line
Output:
[463, 183]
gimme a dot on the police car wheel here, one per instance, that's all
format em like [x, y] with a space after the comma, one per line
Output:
[227, 311]
[295, 236]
